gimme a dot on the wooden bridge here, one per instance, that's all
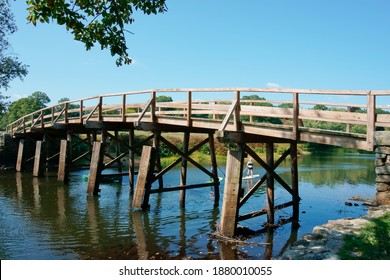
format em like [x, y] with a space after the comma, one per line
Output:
[241, 117]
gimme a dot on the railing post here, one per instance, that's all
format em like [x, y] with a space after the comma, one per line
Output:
[371, 105]
[123, 107]
[66, 112]
[42, 119]
[296, 116]
[153, 107]
[100, 109]
[237, 122]
[348, 126]
[189, 109]
[52, 114]
[81, 111]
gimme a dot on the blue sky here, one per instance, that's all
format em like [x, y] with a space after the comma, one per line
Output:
[311, 44]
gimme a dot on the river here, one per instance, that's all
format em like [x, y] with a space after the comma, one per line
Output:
[42, 219]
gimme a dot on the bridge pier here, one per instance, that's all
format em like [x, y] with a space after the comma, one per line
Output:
[19, 160]
[38, 170]
[63, 164]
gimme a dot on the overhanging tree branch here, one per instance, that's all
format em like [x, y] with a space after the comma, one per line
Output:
[91, 22]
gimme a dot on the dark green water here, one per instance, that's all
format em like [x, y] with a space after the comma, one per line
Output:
[43, 219]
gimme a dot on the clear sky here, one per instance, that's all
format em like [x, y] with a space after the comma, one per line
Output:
[313, 44]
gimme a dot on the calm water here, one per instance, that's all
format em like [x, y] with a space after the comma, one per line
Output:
[43, 219]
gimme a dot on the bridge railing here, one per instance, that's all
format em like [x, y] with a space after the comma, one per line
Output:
[301, 114]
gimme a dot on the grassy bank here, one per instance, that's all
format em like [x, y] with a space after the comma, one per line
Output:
[372, 242]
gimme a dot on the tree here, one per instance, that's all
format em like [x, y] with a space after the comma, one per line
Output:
[24, 106]
[164, 98]
[255, 97]
[10, 66]
[92, 22]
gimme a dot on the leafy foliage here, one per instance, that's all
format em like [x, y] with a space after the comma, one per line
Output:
[96, 21]
[265, 104]
[10, 66]
[24, 106]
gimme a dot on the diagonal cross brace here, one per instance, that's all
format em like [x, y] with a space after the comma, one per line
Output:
[272, 171]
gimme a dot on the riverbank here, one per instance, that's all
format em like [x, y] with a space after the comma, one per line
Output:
[326, 240]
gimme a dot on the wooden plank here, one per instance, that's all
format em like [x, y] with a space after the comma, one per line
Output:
[19, 160]
[263, 211]
[228, 115]
[334, 140]
[143, 173]
[181, 188]
[229, 213]
[333, 116]
[37, 160]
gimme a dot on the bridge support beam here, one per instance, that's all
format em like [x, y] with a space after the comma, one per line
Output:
[38, 170]
[63, 166]
[95, 168]
[270, 184]
[231, 193]
[145, 174]
[19, 160]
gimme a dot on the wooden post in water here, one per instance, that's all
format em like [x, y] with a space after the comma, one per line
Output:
[19, 160]
[183, 173]
[294, 180]
[63, 169]
[37, 170]
[214, 166]
[231, 196]
[131, 160]
[141, 196]
[95, 168]
[270, 185]
[156, 144]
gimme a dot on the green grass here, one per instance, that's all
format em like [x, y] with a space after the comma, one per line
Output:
[372, 242]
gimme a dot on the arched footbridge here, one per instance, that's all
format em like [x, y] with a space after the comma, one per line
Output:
[347, 118]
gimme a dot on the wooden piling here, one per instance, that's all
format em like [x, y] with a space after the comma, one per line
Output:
[157, 164]
[19, 161]
[141, 196]
[294, 179]
[270, 184]
[214, 167]
[37, 170]
[183, 173]
[229, 213]
[131, 160]
[63, 174]
[95, 168]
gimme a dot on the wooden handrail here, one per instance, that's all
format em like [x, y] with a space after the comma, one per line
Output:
[192, 111]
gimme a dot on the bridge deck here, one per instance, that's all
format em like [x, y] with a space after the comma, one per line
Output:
[246, 112]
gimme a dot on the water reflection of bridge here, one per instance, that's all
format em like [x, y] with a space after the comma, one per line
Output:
[97, 121]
